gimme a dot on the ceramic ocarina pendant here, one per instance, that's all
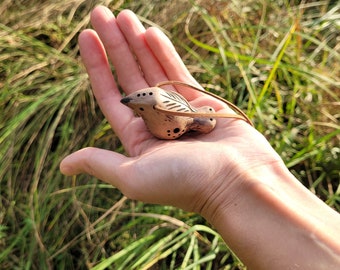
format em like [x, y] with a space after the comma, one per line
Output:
[156, 106]
[168, 115]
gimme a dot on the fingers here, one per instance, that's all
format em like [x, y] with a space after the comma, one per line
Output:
[127, 69]
[156, 55]
[167, 56]
[141, 57]
[171, 62]
[134, 33]
[102, 81]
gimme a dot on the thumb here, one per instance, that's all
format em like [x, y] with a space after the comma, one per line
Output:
[117, 170]
[140, 178]
[102, 164]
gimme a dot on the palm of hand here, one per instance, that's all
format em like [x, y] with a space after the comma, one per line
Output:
[184, 173]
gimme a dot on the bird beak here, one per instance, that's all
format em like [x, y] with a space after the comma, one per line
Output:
[126, 100]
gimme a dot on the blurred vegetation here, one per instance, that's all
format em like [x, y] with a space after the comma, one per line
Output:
[278, 60]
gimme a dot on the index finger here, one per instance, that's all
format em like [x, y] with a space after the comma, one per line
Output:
[102, 81]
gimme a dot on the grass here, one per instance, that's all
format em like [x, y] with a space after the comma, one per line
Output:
[278, 60]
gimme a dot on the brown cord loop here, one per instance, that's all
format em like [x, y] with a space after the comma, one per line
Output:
[241, 114]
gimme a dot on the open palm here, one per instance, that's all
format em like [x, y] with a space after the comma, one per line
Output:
[185, 172]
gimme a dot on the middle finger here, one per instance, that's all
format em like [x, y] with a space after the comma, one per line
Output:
[134, 33]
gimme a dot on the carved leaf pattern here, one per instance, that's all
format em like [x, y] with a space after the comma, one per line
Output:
[175, 102]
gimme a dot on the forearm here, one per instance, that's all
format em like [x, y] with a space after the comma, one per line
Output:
[278, 224]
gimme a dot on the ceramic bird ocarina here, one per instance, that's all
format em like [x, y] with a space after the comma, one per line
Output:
[162, 124]
[168, 115]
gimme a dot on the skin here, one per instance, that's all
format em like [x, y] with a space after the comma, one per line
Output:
[240, 184]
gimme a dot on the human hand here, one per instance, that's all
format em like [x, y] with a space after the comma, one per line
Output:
[197, 173]
[231, 176]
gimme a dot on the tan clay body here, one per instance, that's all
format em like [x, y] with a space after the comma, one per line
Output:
[163, 125]
[168, 115]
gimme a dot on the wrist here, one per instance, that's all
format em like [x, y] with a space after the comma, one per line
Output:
[239, 192]
[269, 208]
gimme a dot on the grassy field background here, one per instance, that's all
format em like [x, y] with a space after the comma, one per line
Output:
[277, 60]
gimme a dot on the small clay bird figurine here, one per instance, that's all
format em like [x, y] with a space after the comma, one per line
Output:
[156, 105]
[168, 115]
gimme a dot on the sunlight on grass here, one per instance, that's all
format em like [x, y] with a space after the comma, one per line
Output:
[285, 73]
